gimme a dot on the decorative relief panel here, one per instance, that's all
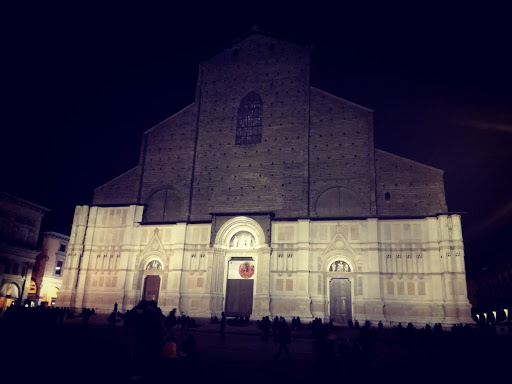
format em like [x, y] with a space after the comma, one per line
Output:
[242, 240]
[154, 265]
[339, 266]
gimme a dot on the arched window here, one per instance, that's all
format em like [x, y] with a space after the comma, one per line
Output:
[250, 120]
[163, 205]
[32, 288]
[339, 202]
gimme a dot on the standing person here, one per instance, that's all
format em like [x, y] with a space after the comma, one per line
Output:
[275, 327]
[86, 313]
[223, 325]
[170, 322]
[284, 336]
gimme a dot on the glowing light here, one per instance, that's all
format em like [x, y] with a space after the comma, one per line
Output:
[506, 314]
[494, 313]
[478, 317]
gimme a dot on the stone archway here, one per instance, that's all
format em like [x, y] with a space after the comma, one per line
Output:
[151, 288]
[241, 264]
[339, 268]
[340, 300]
[152, 278]
[9, 294]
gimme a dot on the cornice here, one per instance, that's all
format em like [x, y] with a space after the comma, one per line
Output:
[24, 203]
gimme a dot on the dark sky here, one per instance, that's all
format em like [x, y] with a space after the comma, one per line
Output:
[81, 83]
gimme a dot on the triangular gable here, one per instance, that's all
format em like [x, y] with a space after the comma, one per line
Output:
[153, 247]
[339, 244]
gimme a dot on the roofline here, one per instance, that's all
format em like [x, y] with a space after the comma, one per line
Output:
[34, 206]
[174, 114]
[342, 99]
[117, 177]
[255, 31]
[412, 161]
[55, 235]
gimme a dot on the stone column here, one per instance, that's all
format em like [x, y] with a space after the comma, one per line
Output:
[26, 285]
[130, 247]
[180, 236]
[217, 282]
[83, 260]
[67, 292]
[373, 295]
[261, 301]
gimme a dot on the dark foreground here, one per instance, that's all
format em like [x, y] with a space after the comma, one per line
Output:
[74, 353]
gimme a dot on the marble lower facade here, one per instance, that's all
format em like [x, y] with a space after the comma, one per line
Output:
[389, 270]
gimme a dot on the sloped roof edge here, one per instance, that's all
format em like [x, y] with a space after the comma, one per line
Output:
[409, 160]
[342, 99]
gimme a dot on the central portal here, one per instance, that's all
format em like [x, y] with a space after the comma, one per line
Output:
[151, 288]
[341, 306]
[240, 286]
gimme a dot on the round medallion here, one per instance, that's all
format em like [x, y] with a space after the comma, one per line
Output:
[340, 244]
[246, 270]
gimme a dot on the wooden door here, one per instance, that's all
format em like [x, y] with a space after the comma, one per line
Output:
[151, 288]
[341, 304]
[239, 294]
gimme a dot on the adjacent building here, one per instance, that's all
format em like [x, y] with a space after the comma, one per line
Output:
[20, 221]
[267, 196]
[48, 268]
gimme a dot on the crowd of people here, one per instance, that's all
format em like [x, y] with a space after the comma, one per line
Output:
[40, 316]
[164, 339]
[155, 340]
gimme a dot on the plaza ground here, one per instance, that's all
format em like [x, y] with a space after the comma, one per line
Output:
[73, 353]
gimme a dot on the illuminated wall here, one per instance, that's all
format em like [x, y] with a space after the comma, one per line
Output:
[263, 169]
[399, 270]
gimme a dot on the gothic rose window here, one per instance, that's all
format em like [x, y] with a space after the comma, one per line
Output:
[250, 120]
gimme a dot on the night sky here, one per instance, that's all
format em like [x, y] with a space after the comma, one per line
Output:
[80, 84]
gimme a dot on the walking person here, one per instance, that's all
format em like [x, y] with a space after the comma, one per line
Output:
[283, 337]
[223, 326]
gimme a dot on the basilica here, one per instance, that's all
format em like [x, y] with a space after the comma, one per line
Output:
[267, 196]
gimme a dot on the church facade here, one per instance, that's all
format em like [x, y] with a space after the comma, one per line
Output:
[266, 196]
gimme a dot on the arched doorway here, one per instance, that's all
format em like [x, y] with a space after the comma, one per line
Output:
[240, 286]
[151, 288]
[152, 280]
[341, 303]
[340, 292]
[9, 294]
[242, 258]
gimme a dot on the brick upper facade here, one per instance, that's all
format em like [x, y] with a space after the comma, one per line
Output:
[316, 157]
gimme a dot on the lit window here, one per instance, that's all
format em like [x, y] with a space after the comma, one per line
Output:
[58, 268]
